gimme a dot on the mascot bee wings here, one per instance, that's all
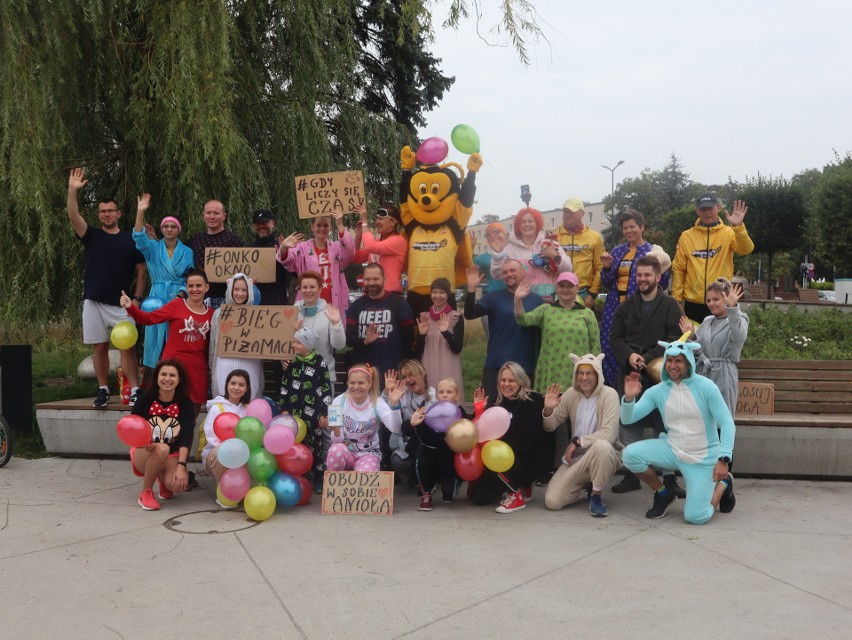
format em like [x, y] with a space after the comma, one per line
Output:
[435, 206]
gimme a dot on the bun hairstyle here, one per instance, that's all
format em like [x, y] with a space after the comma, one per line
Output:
[721, 285]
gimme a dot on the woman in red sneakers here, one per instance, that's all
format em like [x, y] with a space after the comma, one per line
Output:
[171, 415]
[525, 436]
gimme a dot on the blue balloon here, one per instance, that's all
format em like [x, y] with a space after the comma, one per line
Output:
[233, 453]
[276, 410]
[286, 488]
[256, 294]
[151, 304]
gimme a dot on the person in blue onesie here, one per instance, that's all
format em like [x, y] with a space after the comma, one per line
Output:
[698, 438]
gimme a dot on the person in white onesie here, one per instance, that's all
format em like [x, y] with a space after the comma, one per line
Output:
[698, 438]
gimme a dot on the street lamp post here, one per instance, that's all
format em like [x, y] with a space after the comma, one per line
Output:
[612, 191]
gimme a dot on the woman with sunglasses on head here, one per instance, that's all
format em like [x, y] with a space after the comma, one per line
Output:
[390, 249]
[167, 260]
[327, 257]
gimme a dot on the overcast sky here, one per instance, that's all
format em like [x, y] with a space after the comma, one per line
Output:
[732, 88]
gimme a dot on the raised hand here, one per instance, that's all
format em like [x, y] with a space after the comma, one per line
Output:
[733, 298]
[124, 300]
[149, 231]
[474, 278]
[143, 202]
[418, 416]
[423, 324]
[686, 325]
[632, 386]
[338, 219]
[396, 392]
[298, 324]
[551, 397]
[479, 395]
[391, 378]
[372, 334]
[292, 240]
[497, 242]
[444, 323]
[472, 236]
[361, 210]
[77, 179]
[523, 290]
[333, 314]
[606, 260]
[736, 218]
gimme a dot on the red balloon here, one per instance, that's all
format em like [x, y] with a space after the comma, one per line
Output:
[296, 461]
[307, 490]
[225, 425]
[134, 431]
[469, 465]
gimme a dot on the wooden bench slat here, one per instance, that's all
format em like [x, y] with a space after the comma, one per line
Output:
[813, 396]
[811, 385]
[761, 365]
[810, 407]
[783, 374]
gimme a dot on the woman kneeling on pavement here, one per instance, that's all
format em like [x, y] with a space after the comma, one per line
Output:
[171, 415]
[593, 455]
[525, 436]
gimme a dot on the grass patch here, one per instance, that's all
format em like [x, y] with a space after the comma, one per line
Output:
[775, 334]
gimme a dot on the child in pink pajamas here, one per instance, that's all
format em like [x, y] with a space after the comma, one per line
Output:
[359, 412]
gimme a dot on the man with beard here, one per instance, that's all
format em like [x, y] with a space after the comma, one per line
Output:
[263, 222]
[506, 340]
[112, 262]
[640, 323]
[379, 325]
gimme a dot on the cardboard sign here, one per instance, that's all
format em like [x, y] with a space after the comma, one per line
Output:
[358, 493]
[756, 398]
[258, 263]
[256, 331]
[322, 193]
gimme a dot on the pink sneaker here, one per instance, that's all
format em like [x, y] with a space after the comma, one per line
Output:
[513, 502]
[425, 502]
[163, 492]
[147, 500]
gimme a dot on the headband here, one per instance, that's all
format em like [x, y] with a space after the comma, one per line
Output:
[170, 219]
[367, 371]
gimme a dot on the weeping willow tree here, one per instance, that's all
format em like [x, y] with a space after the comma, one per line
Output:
[190, 100]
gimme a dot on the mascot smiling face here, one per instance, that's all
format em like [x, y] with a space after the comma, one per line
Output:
[436, 203]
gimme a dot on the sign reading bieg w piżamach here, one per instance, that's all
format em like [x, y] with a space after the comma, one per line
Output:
[256, 331]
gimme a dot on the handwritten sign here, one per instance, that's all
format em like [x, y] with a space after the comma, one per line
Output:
[322, 193]
[756, 398]
[258, 263]
[359, 493]
[256, 331]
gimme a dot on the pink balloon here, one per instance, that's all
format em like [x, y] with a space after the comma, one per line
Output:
[287, 421]
[235, 483]
[432, 151]
[493, 423]
[278, 439]
[260, 409]
[441, 415]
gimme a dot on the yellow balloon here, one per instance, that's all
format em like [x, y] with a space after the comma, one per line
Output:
[124, 334]
[498, 456]
[259, 503]
[223, 500]
[462, 436]
[303, 429]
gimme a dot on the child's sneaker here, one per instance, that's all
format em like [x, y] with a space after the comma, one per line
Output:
[222, 505]
[513, 502]
[147, 500]
[426, 502]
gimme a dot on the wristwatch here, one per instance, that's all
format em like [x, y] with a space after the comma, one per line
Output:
[138, 298]
[576, 441]
[725, 459]
[182, 463]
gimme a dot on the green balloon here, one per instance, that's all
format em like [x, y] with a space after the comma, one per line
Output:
[465, 138]
[261, 465]
[250, 430]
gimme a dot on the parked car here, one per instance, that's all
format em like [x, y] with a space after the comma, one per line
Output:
[827, 296]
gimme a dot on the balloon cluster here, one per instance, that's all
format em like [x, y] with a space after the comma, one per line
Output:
[477, 445]
[434, 150]
[264, 459]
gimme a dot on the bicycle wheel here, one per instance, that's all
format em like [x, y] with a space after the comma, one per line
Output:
[5, 441]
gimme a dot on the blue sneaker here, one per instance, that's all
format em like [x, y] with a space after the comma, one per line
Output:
[597, 506]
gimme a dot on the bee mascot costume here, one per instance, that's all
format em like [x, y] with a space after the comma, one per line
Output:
[435, 206]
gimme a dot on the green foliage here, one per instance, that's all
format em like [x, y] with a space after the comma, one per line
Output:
[822, 286]
[191, 101]
[674, 223]
[775, 334]
[832, 213]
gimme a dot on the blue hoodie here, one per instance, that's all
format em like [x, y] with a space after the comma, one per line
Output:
[693, 411]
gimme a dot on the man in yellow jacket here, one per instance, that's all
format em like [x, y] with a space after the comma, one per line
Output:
[706, 252]
[584, 246]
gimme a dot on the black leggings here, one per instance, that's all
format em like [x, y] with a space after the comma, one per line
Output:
[436, 465]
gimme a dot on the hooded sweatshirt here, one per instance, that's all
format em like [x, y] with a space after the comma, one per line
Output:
[693, 411]
[543, 282]
[331, 336]
[221, 367]
[216, 407]
[603, 402]
[704, 254]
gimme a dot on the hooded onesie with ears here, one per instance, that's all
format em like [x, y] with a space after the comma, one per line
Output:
[699, 429]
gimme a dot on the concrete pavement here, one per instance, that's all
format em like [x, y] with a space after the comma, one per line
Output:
[79, 559]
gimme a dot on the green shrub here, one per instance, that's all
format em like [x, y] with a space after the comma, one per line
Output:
[775, 334]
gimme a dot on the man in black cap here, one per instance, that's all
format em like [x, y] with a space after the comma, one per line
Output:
[276, 292]
[706, 252]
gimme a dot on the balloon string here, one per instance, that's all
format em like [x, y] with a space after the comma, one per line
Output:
[506, 482]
